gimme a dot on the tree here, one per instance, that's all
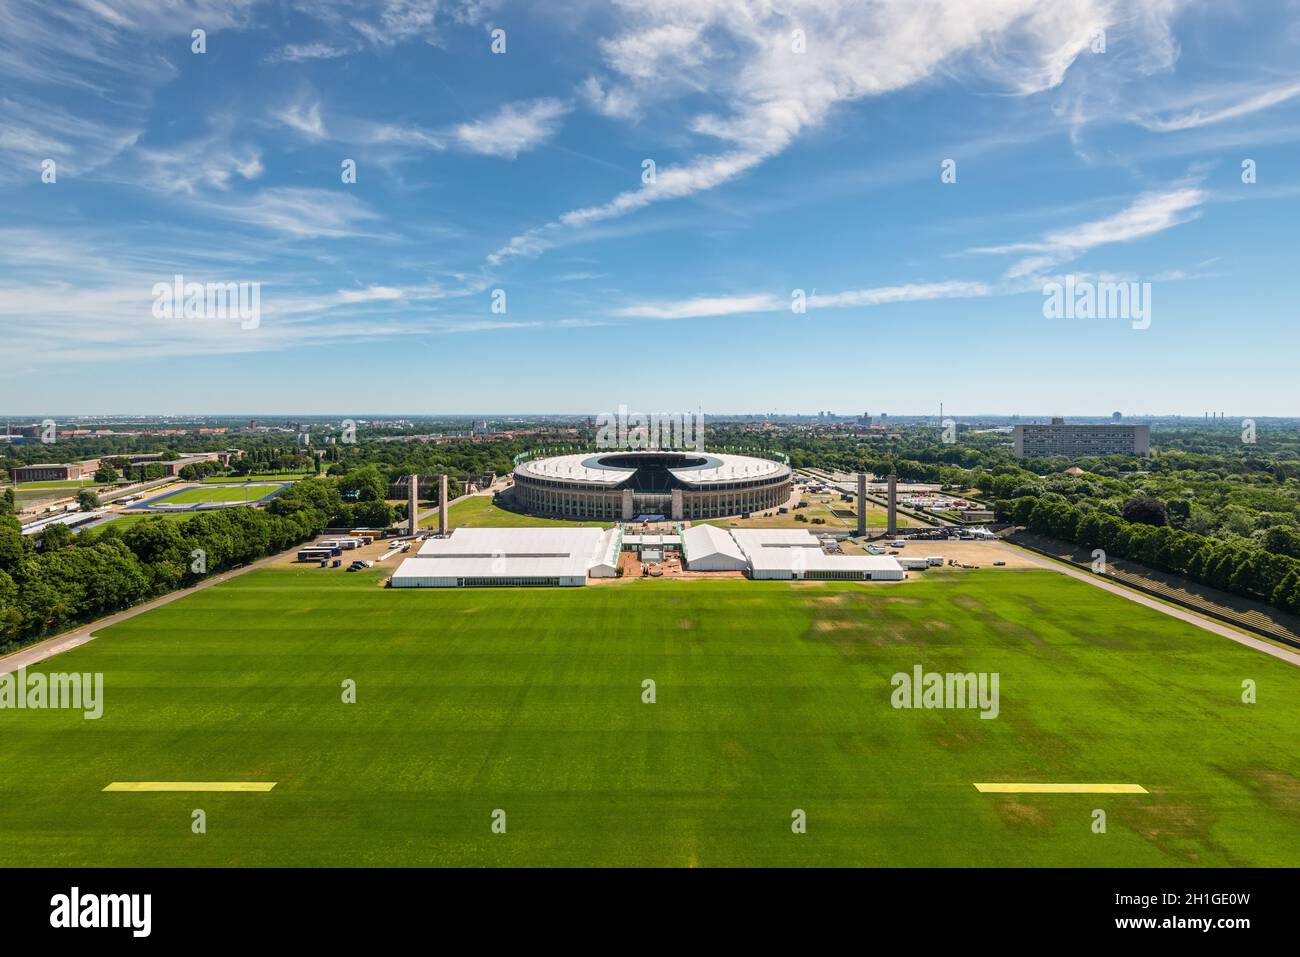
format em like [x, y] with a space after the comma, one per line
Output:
[105, 474]
[1283, 540]
[8, 505]
[1146, 511]
[364, 485]
[11, 544]
[87, 500]
[1180, 510]
[1286, 588]
[11, 616]
[56, 536]
[373, 515]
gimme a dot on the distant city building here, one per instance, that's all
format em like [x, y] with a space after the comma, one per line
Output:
[65, 472]
[1061, 438]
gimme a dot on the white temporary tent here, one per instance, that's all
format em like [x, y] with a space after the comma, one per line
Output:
[472, 557]
[711, 549]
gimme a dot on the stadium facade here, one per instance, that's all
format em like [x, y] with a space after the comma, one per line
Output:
[624, 485]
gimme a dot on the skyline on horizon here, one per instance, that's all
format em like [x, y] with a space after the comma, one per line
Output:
[710, 201]
[1227, 419]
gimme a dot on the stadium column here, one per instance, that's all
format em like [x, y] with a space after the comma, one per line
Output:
[862, 504]
[627, 505]
[677, 505]
[412, 503]
[893, 504]
[442, 504]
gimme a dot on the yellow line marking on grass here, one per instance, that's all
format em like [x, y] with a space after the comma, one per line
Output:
[190, 786]
[1061, 788]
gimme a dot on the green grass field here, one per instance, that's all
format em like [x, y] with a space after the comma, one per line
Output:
[479, 512]
[770, 697]
[251, 492]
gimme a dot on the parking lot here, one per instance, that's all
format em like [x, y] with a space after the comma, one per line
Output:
[372, 552]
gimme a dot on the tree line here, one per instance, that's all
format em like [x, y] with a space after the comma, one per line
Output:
[1251, 572]
[73, 578]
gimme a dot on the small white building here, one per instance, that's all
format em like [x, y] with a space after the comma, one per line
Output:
[503, 557]
[796, 555]
[707, 548]
[787, 564]
[608, 549]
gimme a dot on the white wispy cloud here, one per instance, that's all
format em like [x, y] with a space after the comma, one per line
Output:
[506, 132]
[395, 21]
[609, 101]
[94, 297]
[704, 306]
[1192, 119]
[742, 51]
[514, 128]
[104, 52]
[700, 307]
[301, 212]
[33, 130]
[209, 162]
[303, 117]
[1148, 214]
[299, 52]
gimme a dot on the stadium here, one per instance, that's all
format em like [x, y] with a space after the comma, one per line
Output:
[625, 486]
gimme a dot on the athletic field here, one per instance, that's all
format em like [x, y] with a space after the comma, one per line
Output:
[199, 494]
[770, 697]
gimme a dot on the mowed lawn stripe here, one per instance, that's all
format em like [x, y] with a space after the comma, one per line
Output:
[1041, 788]
[185, 786]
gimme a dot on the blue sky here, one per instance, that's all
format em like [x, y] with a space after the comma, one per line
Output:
[797, 146]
